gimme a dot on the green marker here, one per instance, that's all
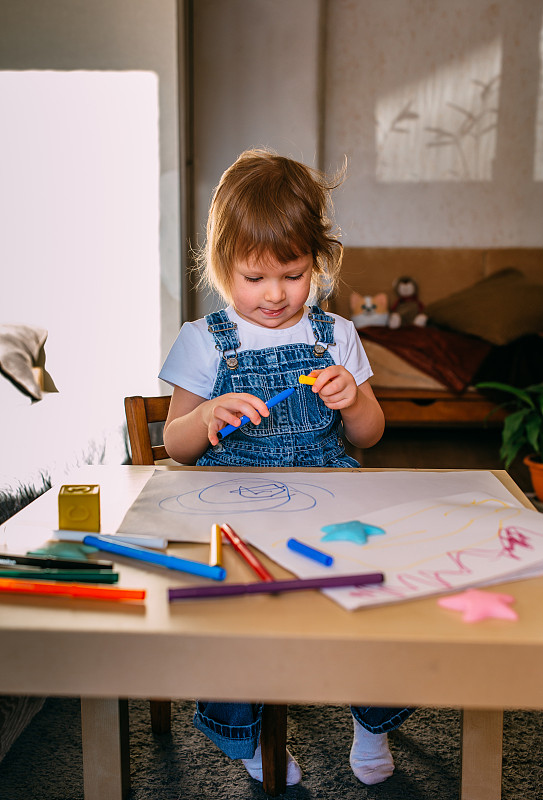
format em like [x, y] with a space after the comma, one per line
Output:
[80, 576]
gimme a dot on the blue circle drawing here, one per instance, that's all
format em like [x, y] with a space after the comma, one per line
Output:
[252, 494]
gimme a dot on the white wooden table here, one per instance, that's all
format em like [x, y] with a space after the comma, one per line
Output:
[107, 652]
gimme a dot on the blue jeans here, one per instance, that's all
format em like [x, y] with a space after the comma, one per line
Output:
[235, 727]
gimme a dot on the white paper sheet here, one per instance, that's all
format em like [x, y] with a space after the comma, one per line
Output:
[444, 531]
[183, 505]
[430, 547]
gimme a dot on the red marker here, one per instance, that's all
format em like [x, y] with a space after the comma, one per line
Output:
[245, 553]
[17, 586]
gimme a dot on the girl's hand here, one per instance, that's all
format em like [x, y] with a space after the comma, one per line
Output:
[335, 386]
[227, 410]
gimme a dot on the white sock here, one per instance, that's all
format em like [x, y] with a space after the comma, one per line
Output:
[254, 767]
[370, 759]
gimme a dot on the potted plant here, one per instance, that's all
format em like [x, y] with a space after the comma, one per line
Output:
[523, 427]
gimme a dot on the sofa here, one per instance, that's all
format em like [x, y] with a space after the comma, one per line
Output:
[484, 309]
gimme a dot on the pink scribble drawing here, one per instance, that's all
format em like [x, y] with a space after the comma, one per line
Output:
[513, 543]
[444, 578]
[514, 539]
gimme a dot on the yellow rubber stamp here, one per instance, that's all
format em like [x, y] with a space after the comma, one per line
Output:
[308, 379]
[79, 508]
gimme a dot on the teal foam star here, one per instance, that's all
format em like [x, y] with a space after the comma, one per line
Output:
[353, 531]
[64, 550]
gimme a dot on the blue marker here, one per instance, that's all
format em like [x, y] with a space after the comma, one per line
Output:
[152, 557]
[244, 420]
[310, 552]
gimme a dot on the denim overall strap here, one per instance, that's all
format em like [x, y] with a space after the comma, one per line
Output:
[322, 325]
[223, 330]
[225, 336]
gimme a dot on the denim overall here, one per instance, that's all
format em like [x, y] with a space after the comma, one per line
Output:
[299, 432]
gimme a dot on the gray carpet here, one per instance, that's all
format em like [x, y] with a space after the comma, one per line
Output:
[45, 762]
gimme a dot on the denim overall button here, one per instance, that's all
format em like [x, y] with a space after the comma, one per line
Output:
[218, 448]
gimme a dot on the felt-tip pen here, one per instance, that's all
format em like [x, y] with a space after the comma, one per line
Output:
[244, 420]
[77, 575]
[70, 590]
[310, 552]
[51, 562]
[161, 559]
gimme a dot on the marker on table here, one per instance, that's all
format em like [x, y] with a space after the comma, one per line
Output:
[246, 553]
[52, 562]
[244, 420]
[271, 587]
[70, 590]
[310, 552]
[307, 379]
[138, 539]
[215, 546]
[151, 557]
[78, 575]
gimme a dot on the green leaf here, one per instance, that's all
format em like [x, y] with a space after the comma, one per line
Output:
[513, 436]
[533, 431]
[522, 394]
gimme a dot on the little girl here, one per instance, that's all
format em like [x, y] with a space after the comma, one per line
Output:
[269, 248]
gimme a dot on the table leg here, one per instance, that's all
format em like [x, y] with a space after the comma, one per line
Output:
[106, 757]
[273, 741]
[482, 741]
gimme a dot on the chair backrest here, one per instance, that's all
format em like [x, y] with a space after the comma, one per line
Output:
[140, 412]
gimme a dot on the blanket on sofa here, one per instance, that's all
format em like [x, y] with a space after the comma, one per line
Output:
[458, 361]
[450, 358]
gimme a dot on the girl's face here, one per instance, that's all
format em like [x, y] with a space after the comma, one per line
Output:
[268, 293]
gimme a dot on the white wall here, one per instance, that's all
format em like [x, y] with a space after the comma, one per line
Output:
[255, 70]
[471, 69]
[89, 189]
[463, 164]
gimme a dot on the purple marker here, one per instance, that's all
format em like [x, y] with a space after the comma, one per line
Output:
[310, 552]
[272, 587]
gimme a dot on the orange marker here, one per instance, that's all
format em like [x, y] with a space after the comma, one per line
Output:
[11, 586]
[307, 379]
[215, 546]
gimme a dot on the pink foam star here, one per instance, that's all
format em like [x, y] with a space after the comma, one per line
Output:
[478, 605]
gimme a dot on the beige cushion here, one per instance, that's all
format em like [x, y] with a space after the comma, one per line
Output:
[499, 309]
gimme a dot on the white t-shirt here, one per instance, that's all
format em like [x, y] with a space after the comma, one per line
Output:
[193, 360]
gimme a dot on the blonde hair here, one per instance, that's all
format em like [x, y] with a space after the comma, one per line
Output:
[266, 203]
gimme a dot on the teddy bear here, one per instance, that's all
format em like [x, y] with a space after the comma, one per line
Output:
[369, 310]
[407, 309]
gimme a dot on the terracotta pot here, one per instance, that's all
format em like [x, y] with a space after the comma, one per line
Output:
[536, 474]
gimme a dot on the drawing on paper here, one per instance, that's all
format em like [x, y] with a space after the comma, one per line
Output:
[444, 531]
[246, 495]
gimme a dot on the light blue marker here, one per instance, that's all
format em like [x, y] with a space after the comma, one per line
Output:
[244, 420]
[152, 557]
[310, 552]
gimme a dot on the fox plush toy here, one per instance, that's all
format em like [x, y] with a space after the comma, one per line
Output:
[369, 310]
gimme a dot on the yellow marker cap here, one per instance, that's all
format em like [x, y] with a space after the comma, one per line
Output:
[307, 379]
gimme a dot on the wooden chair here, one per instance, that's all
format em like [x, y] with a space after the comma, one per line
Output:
[140, 413]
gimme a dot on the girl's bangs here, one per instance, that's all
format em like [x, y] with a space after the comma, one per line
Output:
[277, 236]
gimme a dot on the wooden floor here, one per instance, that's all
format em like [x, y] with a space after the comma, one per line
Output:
[441, 448]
